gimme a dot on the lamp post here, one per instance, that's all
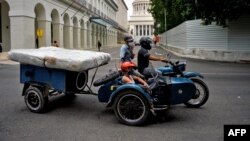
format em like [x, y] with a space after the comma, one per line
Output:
[165, 15]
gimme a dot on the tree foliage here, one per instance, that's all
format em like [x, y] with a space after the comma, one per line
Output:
[220, 11]
[178, 11]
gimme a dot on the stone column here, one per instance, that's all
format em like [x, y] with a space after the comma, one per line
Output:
[89, 37]
[95, 38]
[46, 38]
[22, 32]
[79, 37]
[47, 35]
[57, 33]
[139, 8]
[85, 35]
[136, 10]
[75, 37]
[71, 37]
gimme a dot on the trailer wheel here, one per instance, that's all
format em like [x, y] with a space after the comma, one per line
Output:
[35, 100]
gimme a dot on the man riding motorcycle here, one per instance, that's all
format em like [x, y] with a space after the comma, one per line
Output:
[144, 56]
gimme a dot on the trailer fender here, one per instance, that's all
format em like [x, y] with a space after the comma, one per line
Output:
[42, 87]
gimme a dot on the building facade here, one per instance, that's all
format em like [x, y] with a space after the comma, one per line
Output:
[141, 22]
[122, 19]
[77, 24]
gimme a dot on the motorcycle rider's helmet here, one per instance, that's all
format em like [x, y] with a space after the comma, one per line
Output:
[125, 66]
[128, 38]
[146, 42]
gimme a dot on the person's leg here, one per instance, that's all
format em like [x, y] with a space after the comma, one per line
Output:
[149, 72]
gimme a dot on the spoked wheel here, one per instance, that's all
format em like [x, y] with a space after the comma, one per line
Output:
[34, 100]
[201, 95]
[131, 108]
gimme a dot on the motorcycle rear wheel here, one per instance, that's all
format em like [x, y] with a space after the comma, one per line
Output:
[201, 95]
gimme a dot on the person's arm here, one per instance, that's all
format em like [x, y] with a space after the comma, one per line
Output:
[145, 84]
[157, 58]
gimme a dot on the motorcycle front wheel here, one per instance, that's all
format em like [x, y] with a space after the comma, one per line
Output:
[201, 95]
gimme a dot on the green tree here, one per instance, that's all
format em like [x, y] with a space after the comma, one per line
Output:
[220, 11]
[178, 11]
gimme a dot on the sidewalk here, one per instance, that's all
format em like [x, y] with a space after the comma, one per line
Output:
[5, 61]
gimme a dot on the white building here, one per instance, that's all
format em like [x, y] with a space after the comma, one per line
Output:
[75, 24]
[121, 19]
[141, 22]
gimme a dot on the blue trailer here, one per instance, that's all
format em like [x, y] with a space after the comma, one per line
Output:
[40, 82]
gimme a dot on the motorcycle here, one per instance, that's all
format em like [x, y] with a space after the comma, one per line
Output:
[132, 103]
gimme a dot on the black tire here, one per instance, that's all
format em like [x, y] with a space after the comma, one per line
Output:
[35, 100]
[201, 96]
[109, 77]
[131, 108]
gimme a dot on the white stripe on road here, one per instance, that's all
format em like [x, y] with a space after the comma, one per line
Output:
[234, 74]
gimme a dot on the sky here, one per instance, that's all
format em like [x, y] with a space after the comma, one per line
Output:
[129, 5]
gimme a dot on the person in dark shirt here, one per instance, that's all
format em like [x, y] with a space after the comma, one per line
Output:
[144, 56]
[99, 45]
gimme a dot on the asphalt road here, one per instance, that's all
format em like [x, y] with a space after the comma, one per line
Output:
[83, 118]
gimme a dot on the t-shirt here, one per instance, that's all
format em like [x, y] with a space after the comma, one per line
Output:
[126, 54]
[143, 59]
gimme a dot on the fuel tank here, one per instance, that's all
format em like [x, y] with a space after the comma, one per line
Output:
[166, 71]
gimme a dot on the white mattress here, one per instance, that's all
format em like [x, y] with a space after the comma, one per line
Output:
[53, 57]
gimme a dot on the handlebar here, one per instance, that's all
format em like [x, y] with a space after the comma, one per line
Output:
[170, 62]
